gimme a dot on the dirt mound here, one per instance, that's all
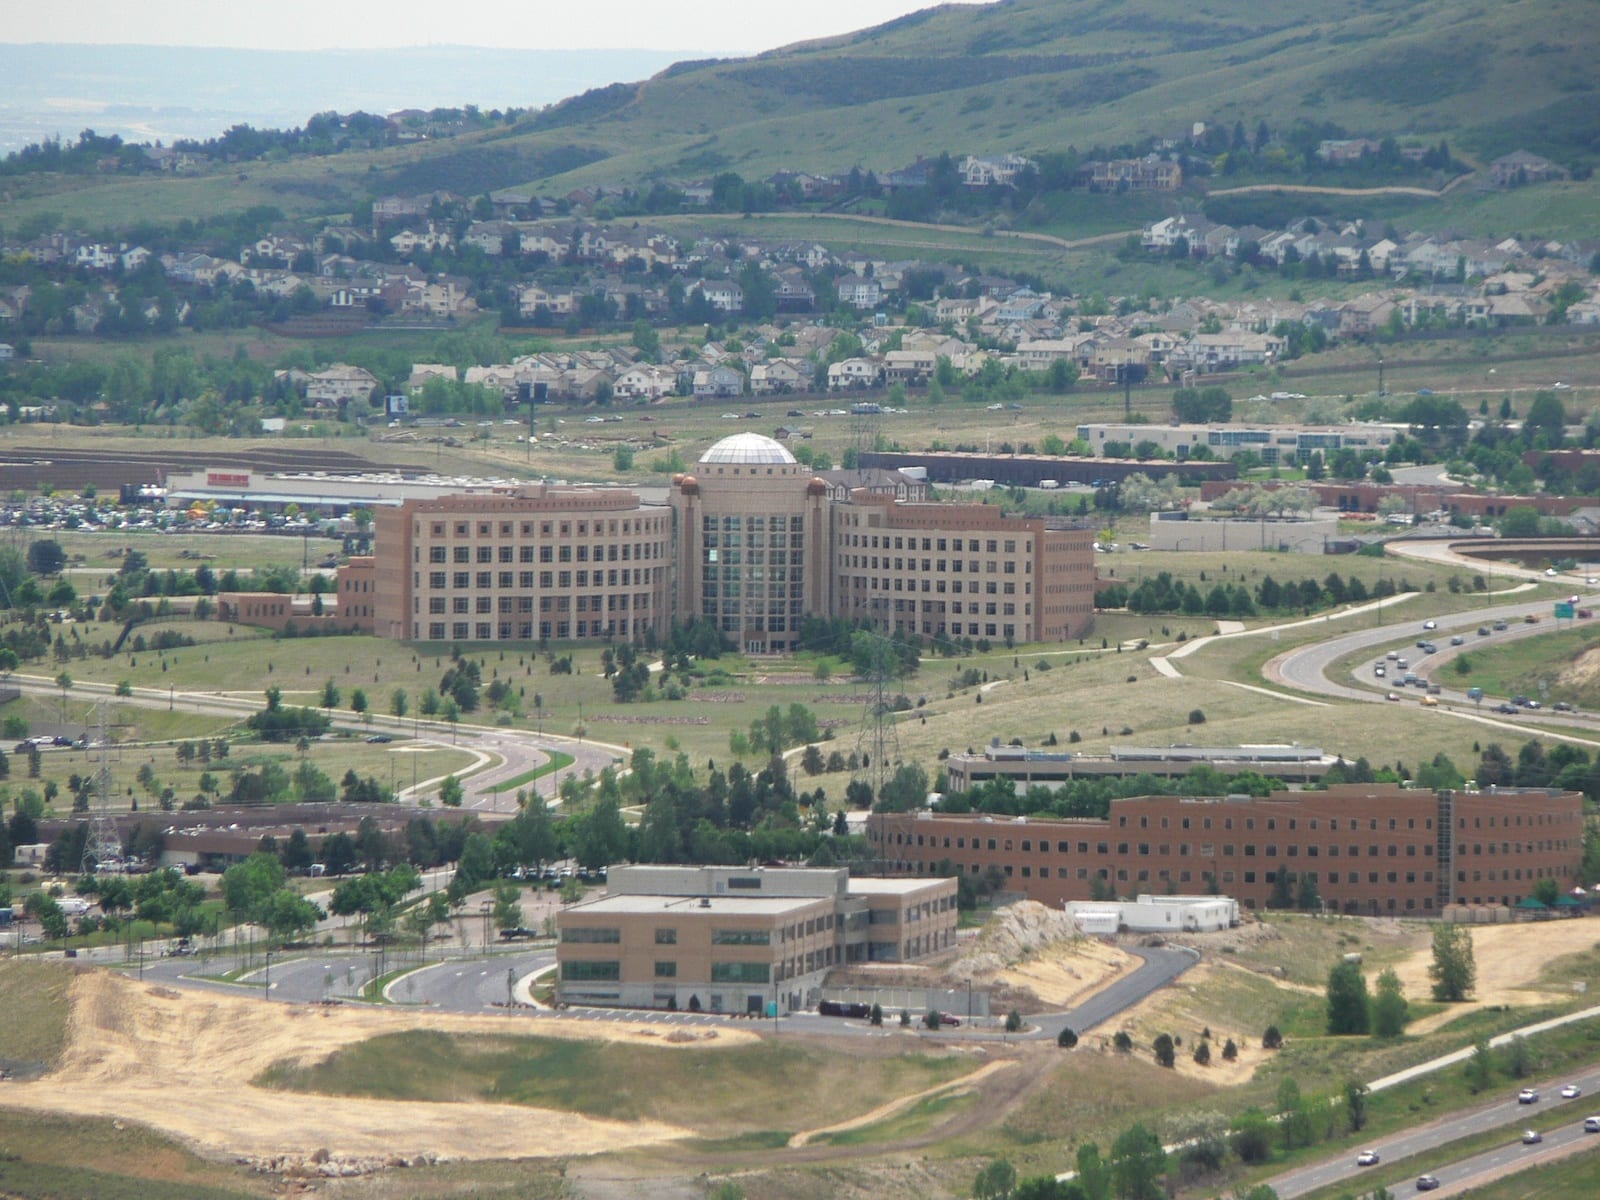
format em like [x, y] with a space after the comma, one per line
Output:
[183, 1063]
[1033, 958]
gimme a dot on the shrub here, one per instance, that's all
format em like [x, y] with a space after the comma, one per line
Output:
[1272, 1039]
[1202, 1054]
[1197, 716]
[1229, 1051]
[1066, 1039]
[1166, 1056]
[1123, 1041]
[1013, 1021]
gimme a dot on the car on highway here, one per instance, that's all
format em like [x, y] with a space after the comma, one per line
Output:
[1392, 696]
[1427, 1183]
[1509, 710]
[1430, 702]
[1367, 1158]
[1563, 706]
[1591, 1124]
[1500, 626]
[1551, 572]
[1458, 640]
[1571, 1092]
[1531, 1137]
[1528, 1096]
[1483, 631]
[379, 739]
[1430, 624]
[1429, 648]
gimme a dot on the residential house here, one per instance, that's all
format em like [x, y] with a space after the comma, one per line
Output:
[1365, 314]
[338, 385]
[560, 303]
[8, 352]
[909, 366]
[718, 381]
[853, 374]
[779, 375]
[1227, 351]
[723, 295]
[1342, 151]
[793, 291]
[992, 172]
[860, 291]
[429, 239]
[1148, 174]
[488, 236]
[422, 372]
[646, 383]
[1520, 167]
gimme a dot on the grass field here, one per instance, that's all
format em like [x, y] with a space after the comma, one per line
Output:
[33, 996]
[1551, 667]
[720, 1092]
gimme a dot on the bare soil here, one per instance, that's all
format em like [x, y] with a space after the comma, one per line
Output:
[1509, 959]
[182, 1062]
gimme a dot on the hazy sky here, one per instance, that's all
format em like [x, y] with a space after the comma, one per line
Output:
[714, 26]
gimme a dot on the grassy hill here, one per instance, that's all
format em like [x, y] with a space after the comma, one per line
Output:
[1024, 75]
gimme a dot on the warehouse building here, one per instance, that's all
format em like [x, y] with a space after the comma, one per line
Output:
[1367, 849]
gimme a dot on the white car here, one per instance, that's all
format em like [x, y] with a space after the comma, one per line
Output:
[1551, 572]
[1430, 624]
[1367, 1158]
[1532, 1137]
[1528, 1096]
[1571, 1092]
[1591, 1124]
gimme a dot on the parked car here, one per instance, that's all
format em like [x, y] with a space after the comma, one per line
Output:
[1380, 671]
[1528, 1096]
[1367, 1158]
[379, 739]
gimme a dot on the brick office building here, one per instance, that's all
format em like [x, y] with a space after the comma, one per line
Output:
[1370, 849]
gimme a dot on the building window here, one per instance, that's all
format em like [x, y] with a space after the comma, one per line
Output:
[579, 971]
[667, 937]
[581, 934]
[738, 972]
[666, 970]
[741, 937]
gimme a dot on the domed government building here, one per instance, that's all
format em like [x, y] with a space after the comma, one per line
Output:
[750, 539]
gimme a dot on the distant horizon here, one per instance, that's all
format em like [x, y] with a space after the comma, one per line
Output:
[716, 27]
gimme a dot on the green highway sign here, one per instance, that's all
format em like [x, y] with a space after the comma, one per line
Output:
[1564, 609]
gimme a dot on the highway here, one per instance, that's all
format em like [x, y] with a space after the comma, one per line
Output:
[1417, 1144]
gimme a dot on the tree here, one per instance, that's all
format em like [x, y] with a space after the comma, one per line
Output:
[507, 907]
[1294, 1117]
[46, 557]
[1348, 1003]
[248, 886]
[1251, 1136]
[1454, 970]
[450, 792]
[995, 1182]
[358, 702]
[330, 695]
[287, 914]
[1480, 1067]
[1165, 1052]
[399, 703]
[1094, 1173]
[1137, 1165]
[1390, 1010]
[1355, 1104]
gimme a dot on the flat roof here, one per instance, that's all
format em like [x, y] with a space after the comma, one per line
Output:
[633, 904]
[901, 887]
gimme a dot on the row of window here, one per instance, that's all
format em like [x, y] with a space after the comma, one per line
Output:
[467, 580]
[523, 631]
[506, 605]
[972, 546]
[546, 528]
[1269, 850]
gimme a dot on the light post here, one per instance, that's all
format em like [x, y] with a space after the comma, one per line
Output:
[969, 1002]
[487, 909]
[266, 979]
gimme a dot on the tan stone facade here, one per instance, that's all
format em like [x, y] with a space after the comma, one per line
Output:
[961, 570]
[523, 564]
[731, 939]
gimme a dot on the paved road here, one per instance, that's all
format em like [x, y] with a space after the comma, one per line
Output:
[1417, 1144]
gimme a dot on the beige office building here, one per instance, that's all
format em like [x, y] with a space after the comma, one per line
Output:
[751, 540]
[752, 543]
[739, 939]
[523, 563]
[961, 570]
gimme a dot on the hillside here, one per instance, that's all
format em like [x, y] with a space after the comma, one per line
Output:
[1031, 76]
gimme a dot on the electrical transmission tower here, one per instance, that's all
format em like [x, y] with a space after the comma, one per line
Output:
[878, 740]
[102, 849]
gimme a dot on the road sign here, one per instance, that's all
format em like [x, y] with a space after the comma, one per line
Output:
[1564, 609]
